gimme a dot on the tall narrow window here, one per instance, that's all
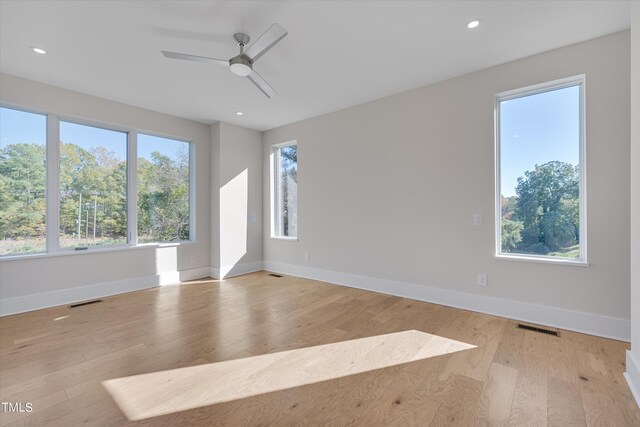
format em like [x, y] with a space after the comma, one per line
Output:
[541, 172]
[284, 194]
[163, 189]
[93, 186]
[22, 182]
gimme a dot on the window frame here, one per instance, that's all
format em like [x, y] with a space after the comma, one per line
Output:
[47, 184]
[580, 81]
[52, 217]
[274, 182]
[56, 185]
[191, 186]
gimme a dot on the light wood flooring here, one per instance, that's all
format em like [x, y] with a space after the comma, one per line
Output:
[58, 358]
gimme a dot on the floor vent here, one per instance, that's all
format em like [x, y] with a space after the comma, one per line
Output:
[540, 330]
[275, 275]
[80, 304]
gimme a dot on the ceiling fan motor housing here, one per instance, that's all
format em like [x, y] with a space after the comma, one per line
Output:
[240, 65]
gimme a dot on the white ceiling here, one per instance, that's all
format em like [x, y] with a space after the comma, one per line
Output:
[337, 53]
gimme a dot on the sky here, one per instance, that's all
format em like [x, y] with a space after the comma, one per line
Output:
[21, 127]
[537, 129]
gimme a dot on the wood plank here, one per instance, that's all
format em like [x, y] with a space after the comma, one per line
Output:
[58, 359]
[494, 405]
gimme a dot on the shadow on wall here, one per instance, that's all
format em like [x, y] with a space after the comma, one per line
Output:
[234, 200]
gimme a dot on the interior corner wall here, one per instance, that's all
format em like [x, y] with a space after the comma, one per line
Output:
[36, 282]
[236, 200]
[633, 357]
[388, 190]
[215, 199]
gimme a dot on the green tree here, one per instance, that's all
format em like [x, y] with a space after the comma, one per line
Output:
[547, 205]
[511, 234]
[163, 197]
[22, 191]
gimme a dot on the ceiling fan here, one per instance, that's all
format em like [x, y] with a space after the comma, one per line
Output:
[242, 64]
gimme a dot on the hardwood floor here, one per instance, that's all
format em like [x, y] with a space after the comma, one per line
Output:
[58, 358]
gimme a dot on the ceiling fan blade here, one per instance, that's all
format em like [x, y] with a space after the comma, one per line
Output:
[262, 84]
[175, 55]
[266, 41]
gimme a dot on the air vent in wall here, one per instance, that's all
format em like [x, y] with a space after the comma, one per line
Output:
[80, 304]
[540, 330]
[275, 275]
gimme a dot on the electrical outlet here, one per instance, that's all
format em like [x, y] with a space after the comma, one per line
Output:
[192, 259]
[477, 219]
[482, 279]
[307, 256]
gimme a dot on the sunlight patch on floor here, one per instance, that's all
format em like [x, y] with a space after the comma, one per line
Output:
[176, 390]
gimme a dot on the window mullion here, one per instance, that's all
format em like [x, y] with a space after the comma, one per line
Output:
[132, 188]
[53, 184]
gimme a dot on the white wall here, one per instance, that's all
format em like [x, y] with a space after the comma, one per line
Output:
[236, 200]
[388, 189]
[60, 279]
[633, 357]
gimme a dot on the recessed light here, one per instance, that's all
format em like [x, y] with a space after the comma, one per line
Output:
[39, 50]
[473, 24]
[239, 113]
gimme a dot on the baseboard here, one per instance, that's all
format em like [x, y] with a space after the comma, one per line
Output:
[227, 271]
[632, 375]
[588, 323]
[9, 306]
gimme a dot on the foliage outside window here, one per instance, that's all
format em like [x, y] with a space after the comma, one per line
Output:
[73, 189]
[285, 190]
[93, 186]
[540, 170]
[22, 182]
[163, 189]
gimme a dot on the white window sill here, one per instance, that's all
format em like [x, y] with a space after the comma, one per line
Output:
[543, 260]
[288, 238]
[97, 250]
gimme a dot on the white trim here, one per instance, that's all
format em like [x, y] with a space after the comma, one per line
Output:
[588, 323]
[632, 375]
[9, 306]
[93, 250]
[274, 181]
[132, 188]
[52, 176]
[192, 191]
[289, 238]
[579, 80]
[227, 271]
[543, 259]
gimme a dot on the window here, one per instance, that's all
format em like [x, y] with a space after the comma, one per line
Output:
[284, 190]
[163, 189]
[93, 186]
[22, 182]
[66, 185]
[540, 198]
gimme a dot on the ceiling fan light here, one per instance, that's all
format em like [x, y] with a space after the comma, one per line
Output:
[240, 69]
[240, 66]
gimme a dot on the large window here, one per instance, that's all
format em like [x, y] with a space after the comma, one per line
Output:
[284, 190]
[69, 185]
[22, 182]
[540, 204]
[163, 189]
[93, 186]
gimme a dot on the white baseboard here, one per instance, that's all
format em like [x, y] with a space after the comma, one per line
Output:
[593, 324]
[235, 270]
[632, 375]
[32, 302]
